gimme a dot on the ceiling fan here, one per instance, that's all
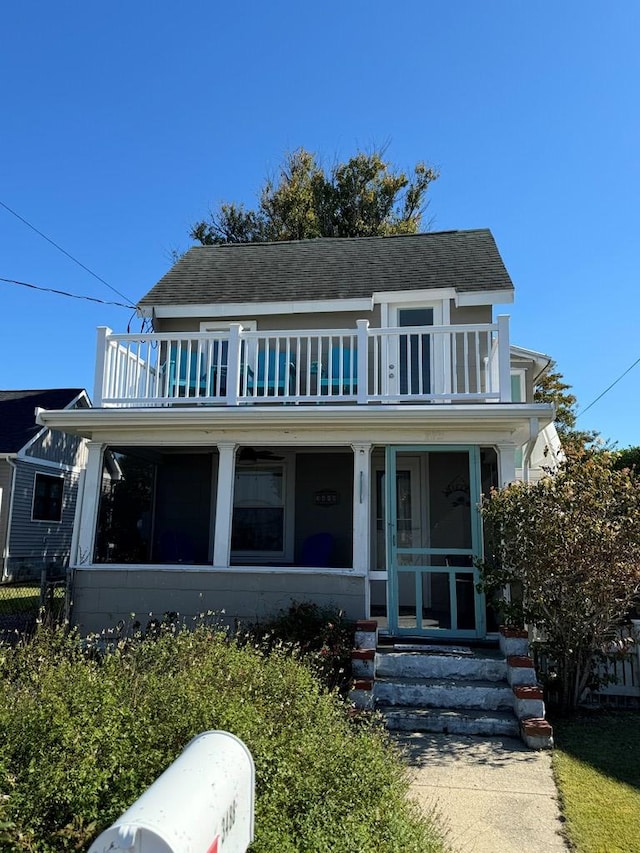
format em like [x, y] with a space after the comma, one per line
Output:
[251, 454]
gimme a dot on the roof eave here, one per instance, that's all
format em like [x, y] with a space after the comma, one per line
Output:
[462, 298]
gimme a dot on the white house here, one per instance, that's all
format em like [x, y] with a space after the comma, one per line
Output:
[310, 420]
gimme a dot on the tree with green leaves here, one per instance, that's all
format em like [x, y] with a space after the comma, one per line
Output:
[571, 544]
[362, 197]
[550, 387]
[628, 457]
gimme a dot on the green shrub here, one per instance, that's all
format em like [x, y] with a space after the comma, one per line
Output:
[83, 732]
[321, 636]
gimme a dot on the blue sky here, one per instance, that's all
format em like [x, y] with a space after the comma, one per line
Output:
[124, 122]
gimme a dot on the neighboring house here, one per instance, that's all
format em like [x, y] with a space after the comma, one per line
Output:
[39, 473]
[545, 454]
[310, 420]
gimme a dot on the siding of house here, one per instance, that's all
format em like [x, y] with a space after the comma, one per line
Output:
[6, 472]
[471, 314]
[34, 545]
[102, 597]
[333, 320]
[279, 322]
[529, 371]
[55, 446]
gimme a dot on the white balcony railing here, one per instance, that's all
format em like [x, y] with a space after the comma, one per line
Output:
[464, 363]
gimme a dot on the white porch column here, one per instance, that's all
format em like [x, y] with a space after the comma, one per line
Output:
[224, 504]
[362, 508]
[88, 514]
[506, 464]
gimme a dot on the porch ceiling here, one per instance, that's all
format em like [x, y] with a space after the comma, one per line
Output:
[511, 423]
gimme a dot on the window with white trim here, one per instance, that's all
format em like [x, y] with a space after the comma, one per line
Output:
[518, 387]
[259, 502]
[47, 498]
[223, 325]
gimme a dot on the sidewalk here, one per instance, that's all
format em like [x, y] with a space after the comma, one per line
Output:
[493, 795]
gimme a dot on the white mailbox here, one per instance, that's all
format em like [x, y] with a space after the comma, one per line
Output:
[202, 803]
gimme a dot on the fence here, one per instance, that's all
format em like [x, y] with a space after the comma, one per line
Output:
[617, 671]
[620, 670]
[29, 569]
[23, 602]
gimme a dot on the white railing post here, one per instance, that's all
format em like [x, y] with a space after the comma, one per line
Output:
[504, 358]
[100, 378]
[233, 364]
[363, 360]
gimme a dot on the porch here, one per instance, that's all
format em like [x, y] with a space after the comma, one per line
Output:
[380, 531]
[363, 365]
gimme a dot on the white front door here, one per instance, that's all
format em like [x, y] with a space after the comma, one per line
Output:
[413, 360]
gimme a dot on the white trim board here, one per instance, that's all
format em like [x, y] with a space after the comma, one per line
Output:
[181, 568]
[49, 463]
[253, 309]
[326, 306]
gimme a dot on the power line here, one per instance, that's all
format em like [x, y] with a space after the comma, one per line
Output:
[64, 252]
[606, 390]
[66, 293]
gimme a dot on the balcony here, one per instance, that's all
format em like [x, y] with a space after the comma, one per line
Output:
[420, 364]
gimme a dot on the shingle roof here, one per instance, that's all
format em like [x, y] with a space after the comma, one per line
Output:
[332, 268]
[17, 419]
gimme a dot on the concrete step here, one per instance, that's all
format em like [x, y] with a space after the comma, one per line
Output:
[450, 693]
[447, 721]
[469, 665]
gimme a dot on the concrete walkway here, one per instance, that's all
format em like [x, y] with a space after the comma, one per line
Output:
[493, 796]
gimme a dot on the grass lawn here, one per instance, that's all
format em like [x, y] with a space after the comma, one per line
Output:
[19, 599]
[597, 768]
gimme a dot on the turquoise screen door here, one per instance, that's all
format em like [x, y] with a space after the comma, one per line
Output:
[434, 536]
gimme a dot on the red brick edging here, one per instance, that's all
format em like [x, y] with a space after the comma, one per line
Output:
[537, 727]
[520, 661]
[363, 654]
[367, 625]
[517, 633]
[525, 691]
[363, 684]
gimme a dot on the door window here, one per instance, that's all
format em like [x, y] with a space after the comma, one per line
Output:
[415, 352]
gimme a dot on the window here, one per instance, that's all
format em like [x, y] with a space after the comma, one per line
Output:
[517, 386]
[258, 527]
[47, 498]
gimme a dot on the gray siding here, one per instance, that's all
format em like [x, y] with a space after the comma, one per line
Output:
[278, 322]
[320, 320]
[529, 370]
[6, 472]
[470, 314]
[34, 545]
[102, 597]
[54, 446]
